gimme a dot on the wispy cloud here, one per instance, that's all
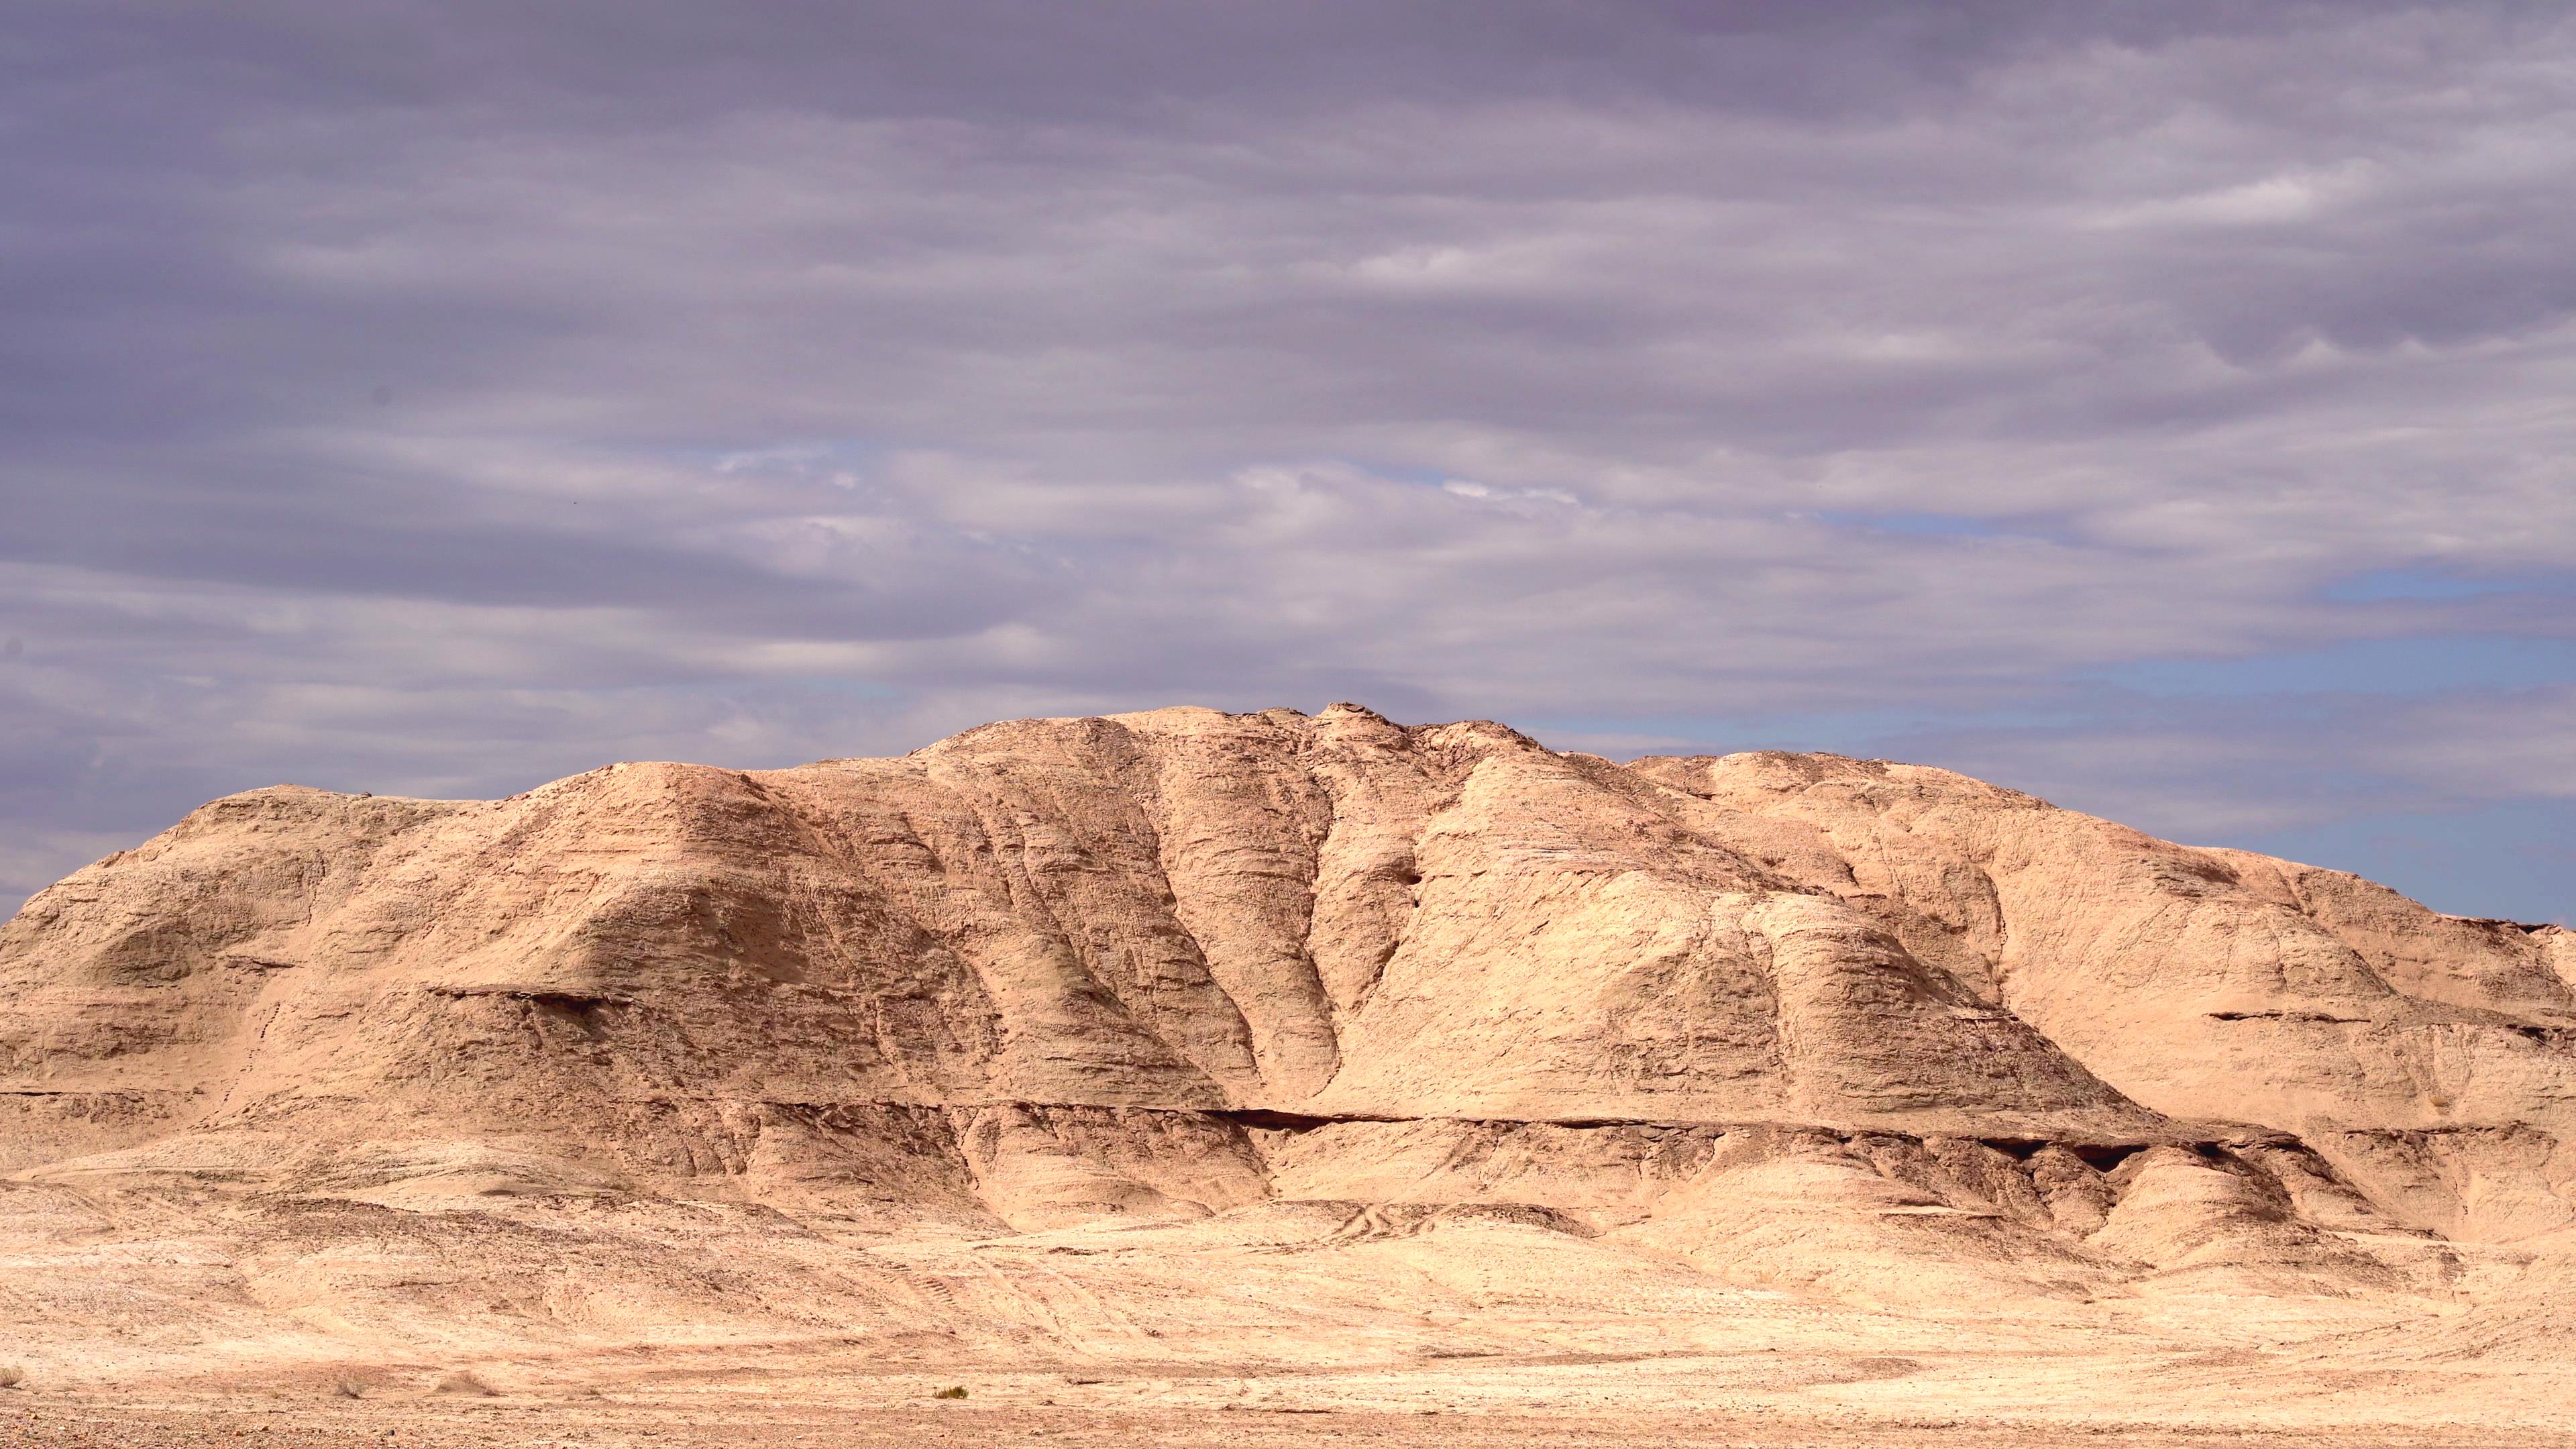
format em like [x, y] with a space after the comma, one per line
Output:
[440, 397]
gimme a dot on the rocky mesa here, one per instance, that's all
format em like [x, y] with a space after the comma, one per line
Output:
[1161, 1034]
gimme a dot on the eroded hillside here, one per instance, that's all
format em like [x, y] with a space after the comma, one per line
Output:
[691, 1054]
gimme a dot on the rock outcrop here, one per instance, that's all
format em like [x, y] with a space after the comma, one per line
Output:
[1859, 1028]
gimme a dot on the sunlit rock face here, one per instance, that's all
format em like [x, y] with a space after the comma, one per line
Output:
[1849, 1028]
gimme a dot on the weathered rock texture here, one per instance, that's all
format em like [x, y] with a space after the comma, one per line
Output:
[1868, 1031]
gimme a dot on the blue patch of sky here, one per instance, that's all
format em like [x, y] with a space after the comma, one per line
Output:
[1926, 525]
[2422, 584]
[821, 456]
[2515, 860]
[828, 684]
[1863, 732]
[1419, 477]
[2430, 665]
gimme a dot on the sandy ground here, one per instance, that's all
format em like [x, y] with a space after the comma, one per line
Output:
[1270, 1325]
[1957, 1387]
[74, 1421]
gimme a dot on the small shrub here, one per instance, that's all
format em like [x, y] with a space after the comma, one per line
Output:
[11, 1376]
[951, 1393]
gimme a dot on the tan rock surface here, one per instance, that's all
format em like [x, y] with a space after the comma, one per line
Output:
[1276, 1061]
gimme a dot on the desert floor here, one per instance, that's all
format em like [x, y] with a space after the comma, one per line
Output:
[65, 1420]
[1468, 1331]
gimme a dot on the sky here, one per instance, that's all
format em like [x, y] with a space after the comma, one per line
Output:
[2169, 410]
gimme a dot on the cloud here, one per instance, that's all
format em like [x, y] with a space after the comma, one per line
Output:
[435, 397]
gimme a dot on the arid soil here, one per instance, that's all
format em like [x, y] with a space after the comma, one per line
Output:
[558, 1426]
[1194, 1078]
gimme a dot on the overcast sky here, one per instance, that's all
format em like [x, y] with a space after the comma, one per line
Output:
[2167, 409]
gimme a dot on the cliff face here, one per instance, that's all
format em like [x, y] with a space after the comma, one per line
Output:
[1772, 1009]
